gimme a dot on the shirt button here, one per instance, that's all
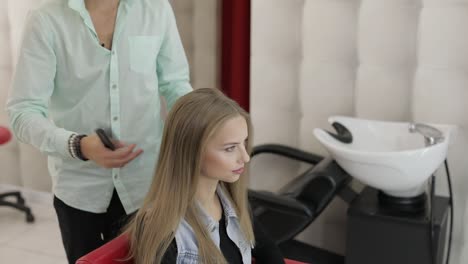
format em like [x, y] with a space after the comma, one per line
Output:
[116, 176]
[113, 52]
[114, 86]
[115, 118]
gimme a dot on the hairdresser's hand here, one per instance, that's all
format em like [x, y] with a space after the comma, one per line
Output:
[93, 149]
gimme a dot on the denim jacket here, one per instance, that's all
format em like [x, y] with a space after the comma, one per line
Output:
[187, 249]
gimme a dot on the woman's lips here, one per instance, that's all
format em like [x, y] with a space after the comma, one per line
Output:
[238, 171]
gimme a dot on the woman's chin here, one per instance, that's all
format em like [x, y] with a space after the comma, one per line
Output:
[232, 179]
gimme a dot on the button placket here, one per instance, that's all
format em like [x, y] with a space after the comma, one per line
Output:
[114, 94]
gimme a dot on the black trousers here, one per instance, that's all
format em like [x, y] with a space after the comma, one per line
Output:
[82, 231]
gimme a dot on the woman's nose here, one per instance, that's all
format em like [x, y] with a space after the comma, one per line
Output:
[245, 157]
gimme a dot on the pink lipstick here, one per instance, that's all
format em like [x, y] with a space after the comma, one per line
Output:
[239, 171]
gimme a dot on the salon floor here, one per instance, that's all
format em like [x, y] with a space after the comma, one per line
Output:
[27, 243]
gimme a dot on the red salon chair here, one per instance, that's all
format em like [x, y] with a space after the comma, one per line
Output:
[5, 137]
[115, 251]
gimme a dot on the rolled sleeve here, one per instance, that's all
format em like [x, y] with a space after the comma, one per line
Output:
[33, 84]
[172, 65]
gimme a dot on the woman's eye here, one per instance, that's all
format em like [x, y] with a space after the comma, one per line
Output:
[230, 149]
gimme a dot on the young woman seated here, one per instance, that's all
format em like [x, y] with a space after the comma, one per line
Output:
[196, 210]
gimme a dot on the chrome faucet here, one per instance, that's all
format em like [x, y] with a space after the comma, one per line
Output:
[431, 134]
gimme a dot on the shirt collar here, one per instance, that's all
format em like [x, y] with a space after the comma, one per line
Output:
[228, 208]
[79, 5]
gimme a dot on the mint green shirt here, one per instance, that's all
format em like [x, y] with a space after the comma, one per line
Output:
[65, 83]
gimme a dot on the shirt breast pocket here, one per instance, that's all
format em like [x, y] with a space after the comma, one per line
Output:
[143, 52]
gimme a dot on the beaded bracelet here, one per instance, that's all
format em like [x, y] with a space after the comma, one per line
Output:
[71, 139]
[77, 144]
[74, 146]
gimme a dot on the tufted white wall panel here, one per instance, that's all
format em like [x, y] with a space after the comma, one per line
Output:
[440, 94]
[387, 57]
[275, 60]
[328, 68]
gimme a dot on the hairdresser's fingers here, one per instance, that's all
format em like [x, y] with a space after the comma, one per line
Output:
[93, 149]
[119, 144]
[132, 156]
[121, 153]
[118, 163]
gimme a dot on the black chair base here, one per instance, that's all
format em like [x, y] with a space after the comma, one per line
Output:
[19, 204]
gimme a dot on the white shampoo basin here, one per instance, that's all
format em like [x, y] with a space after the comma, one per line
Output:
[386, 155]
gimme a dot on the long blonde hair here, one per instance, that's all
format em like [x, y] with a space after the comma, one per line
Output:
[194, 118]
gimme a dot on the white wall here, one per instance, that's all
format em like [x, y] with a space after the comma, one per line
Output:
[401, 60]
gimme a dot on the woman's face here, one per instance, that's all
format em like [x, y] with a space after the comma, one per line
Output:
[225, 154]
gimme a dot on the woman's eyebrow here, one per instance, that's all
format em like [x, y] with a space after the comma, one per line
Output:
[231, 143]
[235, 143]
